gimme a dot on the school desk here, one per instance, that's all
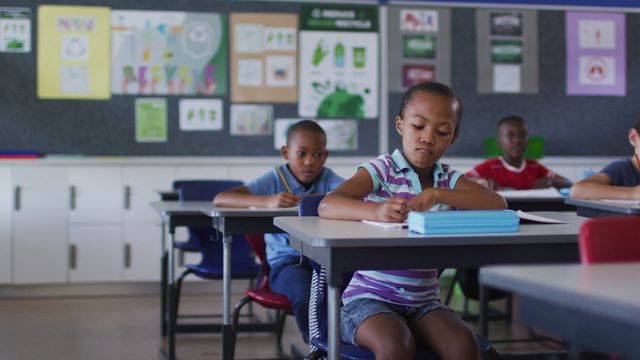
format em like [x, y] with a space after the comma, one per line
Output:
[595, 306]
[168, 195]
[346, 246]
[600, 208]
[536, 200]
[229, 221]
[175, 214]
[233, 221]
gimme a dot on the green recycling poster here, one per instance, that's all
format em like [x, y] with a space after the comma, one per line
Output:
[338, 62]
[151, 120]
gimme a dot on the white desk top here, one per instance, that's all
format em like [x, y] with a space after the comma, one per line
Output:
[616, 207]
[207, 208]
[319, 232]
[215, 211]
[186, 207]
[613, 289]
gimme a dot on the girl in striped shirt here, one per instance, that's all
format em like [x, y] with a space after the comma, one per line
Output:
[388, 312]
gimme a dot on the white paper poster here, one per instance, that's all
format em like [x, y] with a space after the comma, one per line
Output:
[280, 71]
[248, 38]
[342, 135]
[15, 30]
[506, 78]
[201, 114]
[418, 20]
[338, 74]
[251, 119]
[249, 72]
[597, 70]
[596, 34]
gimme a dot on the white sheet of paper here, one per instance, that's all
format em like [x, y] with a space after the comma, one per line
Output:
[533, 193]
[526, 216]
[248, 38]
[507, 78]
[387, 225]
[250, 72]
[272, 209]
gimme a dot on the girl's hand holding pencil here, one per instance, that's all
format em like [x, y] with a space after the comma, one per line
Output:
[393, 210]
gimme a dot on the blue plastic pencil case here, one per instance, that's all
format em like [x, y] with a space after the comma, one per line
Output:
[463, 221]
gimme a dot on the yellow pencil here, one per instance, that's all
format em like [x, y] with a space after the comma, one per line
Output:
[284, 181]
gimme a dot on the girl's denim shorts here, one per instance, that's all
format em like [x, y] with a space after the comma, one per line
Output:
[358, 310]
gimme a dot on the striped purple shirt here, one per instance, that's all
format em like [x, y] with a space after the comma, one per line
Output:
[412, 287]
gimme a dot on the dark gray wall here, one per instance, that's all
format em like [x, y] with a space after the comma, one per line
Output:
[108, 127]
[570, 125]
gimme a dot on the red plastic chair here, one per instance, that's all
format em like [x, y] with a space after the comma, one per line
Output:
[262, 294]
[610, 239]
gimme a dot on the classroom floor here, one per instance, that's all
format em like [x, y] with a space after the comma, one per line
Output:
[128, 328]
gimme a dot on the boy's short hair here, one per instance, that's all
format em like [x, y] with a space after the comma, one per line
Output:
[510, 119]
[433, 87]
[637, 125]
[306, 125]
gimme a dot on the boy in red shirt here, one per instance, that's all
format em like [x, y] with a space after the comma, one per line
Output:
[512, 170]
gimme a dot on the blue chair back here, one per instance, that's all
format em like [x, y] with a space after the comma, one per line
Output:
[308, 205]
[209, 240]
[191, 244]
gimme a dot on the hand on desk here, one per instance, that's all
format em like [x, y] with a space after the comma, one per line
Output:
[543, 183]
[283, 199]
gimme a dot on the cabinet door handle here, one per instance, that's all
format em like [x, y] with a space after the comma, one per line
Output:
[16, 198]
[73, 252]
[127, 256]
[72, 197]
[127, 197]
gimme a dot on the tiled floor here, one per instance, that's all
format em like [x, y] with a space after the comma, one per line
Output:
[128, 328]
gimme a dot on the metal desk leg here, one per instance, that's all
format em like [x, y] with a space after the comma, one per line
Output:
[484, 310]
[227, 353]
[334, 322]
[171, 326]
[163, 283]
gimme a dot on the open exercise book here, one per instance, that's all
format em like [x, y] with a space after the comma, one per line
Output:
[521, 214]
[530, 194]
[292, 208]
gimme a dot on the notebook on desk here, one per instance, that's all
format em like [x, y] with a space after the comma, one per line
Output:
[530, 194]
[463, 222]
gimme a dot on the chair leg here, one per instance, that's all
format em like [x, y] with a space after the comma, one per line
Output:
[509, 308]
[452, 288]
[251, 314]
[234, 321]
[178, 291]
[281, 318]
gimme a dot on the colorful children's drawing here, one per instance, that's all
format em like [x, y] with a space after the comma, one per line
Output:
[251, 119]
[168, 53]
[201, 114]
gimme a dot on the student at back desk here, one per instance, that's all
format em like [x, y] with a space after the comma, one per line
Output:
[512, 170]
[618, 180]
[303, 174]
